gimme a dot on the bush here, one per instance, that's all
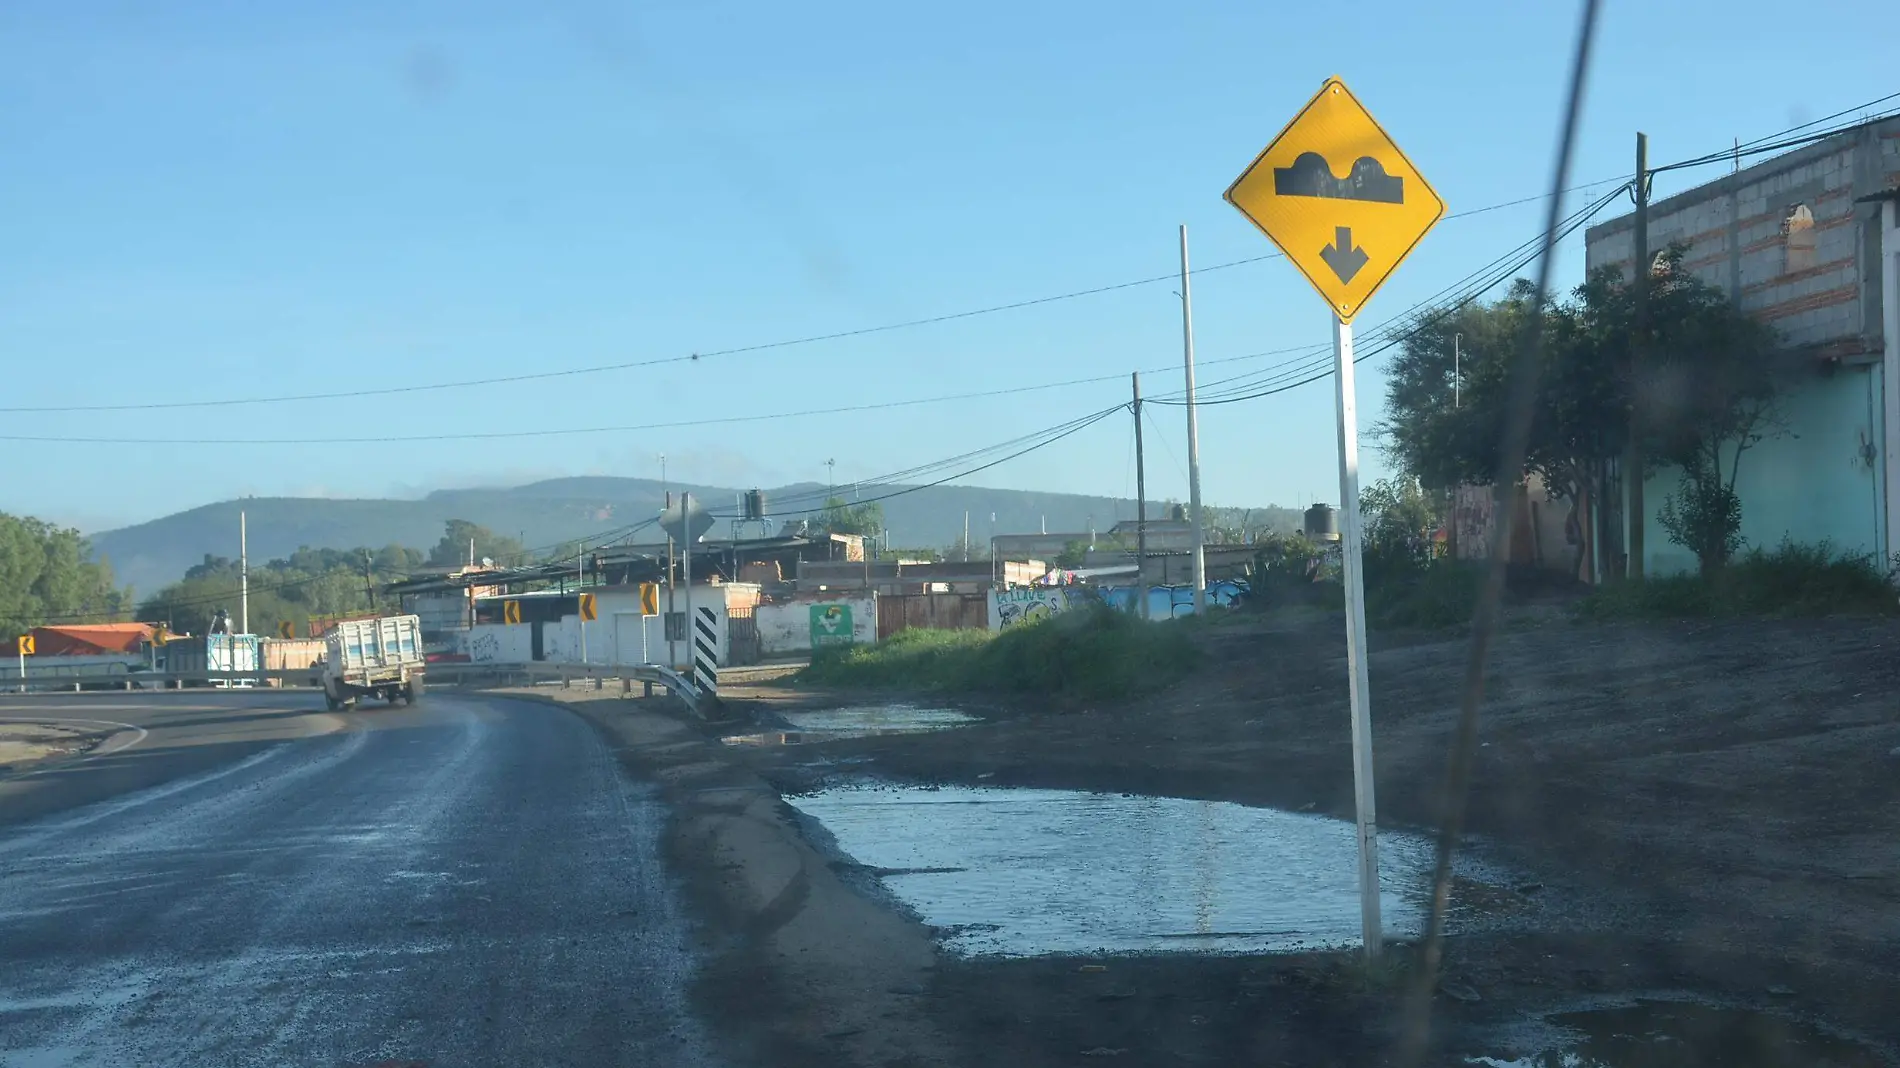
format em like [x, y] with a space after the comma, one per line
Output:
[1794, 580]
[1440, 594]
[1290, 570]
[1086, 652]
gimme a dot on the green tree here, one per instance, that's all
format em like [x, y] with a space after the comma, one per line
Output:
[48, 575]
[1704, 379]
[967, 548]
[1400, 519]
[309, 582]
[865, 519]
[452, 550]
[1073, 555]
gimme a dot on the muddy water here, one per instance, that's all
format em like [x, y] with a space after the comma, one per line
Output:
[1027, 872]
[859, 721]
[1676, 1034]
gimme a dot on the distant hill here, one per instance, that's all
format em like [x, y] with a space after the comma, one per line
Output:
[153, 554]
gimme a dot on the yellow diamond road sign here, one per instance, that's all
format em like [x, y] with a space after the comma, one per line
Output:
[1339, 198]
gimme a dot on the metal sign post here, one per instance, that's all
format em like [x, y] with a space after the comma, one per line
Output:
[1346, 233]
[1358, 680]
[27, 647]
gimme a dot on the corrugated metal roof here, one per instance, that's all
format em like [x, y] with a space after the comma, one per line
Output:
[85, 639]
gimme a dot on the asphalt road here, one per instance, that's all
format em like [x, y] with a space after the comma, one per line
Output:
[472, 882]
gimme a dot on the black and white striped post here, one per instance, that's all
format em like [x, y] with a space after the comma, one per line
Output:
[706, 651]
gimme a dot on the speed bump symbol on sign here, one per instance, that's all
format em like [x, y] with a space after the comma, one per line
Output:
[589, 610]
[511, 611]
[1339, 198]
[28, 645]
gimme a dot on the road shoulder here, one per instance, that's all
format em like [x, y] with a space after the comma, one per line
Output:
[803, 968]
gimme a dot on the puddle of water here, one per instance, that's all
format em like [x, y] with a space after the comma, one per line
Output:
[1023, 872]
[1678, 1034]
[863, 721]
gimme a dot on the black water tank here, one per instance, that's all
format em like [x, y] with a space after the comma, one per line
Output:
[1322, 523]
[754, 504]
[1178, 513]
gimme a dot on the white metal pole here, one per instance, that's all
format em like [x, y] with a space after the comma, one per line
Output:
[22, 649]
[1358, 684]
[1194, 435]
[244, 578]
[686, 575]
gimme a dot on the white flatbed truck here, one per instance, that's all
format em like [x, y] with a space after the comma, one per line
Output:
[373, 658]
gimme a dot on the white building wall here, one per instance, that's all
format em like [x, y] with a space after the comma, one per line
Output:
[790, 629]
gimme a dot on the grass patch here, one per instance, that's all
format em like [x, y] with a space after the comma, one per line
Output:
[1793, 580]
[1089, 653]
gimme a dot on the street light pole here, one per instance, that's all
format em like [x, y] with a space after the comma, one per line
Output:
[1457, 370]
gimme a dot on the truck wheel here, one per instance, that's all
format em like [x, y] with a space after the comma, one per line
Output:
[332, 702]
[412, 692]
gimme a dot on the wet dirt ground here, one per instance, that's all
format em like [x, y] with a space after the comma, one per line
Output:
[1692, 810]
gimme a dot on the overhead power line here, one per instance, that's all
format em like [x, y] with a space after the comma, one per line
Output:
[569, 372]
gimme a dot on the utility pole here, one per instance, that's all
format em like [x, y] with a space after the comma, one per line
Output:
[244, 577]
[1141, 508]
[1457, 370]
[1633, 452]
[580, 591]
[1194, 436]
[686, 580]
[672, 653]
[369, 583]
[966, 535]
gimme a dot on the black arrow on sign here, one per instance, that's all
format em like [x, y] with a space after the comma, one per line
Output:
[1344, 259]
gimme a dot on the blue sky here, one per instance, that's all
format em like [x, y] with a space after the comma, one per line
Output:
[206, 200]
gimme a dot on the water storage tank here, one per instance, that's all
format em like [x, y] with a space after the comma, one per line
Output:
[1178, 513]
[754, 504]
[1322, 523]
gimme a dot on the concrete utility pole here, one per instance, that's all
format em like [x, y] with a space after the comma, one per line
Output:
[1194, 435]
[580, 590]
[1639, 293]
[966, 535]
[244, 578]
[672, 653]
[1890, 363]
[1141, 508]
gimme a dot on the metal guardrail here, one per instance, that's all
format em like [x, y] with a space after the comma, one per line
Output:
[455, 674]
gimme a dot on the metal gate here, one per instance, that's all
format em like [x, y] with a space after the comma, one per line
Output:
[742, 637]
[942, 611]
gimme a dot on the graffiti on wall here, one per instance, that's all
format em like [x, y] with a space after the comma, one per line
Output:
[1028, 604]
[830, 625]
[1168, 601]
[1473, 513]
